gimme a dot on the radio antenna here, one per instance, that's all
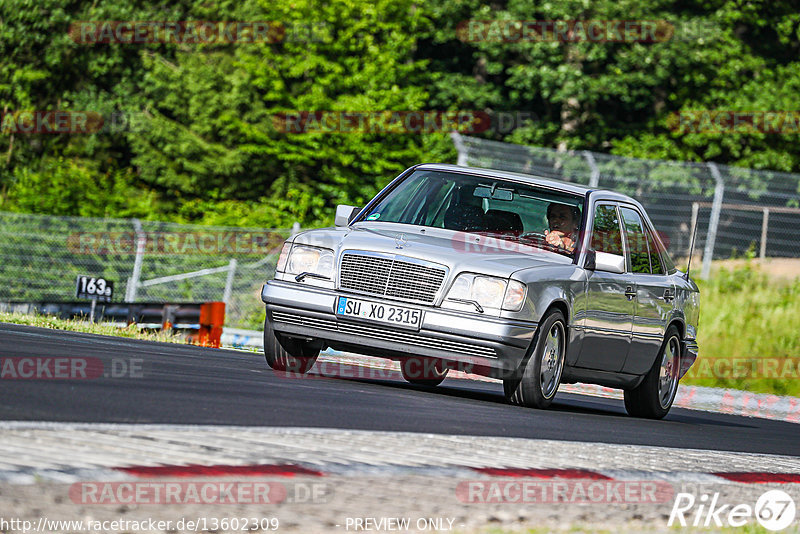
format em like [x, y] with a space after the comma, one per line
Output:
[691, 250]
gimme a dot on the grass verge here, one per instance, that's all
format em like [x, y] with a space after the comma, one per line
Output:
[103, 329]
[750, 331]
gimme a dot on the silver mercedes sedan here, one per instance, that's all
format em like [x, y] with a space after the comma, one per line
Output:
[527, 280]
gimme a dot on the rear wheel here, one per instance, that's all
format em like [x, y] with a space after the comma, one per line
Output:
[423, 371]
[538, 384]
[653, 398]
[286, 353]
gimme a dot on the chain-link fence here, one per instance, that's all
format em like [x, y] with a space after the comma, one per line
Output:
[736, 210]
[41, 256]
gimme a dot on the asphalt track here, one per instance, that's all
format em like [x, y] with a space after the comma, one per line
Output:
[181, 384]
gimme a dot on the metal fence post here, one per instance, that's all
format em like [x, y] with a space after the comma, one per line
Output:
[594, 178]
[713, 223]
[461, 148]
[764, 225]
[133, 281]
[226, 296]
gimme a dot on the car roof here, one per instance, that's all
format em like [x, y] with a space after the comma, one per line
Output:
[567, 187]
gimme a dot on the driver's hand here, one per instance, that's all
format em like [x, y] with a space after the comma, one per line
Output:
[557, 238]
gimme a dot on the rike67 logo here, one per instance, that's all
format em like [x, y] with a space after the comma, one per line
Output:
[774, 510]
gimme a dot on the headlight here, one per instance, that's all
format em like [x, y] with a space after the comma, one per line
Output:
[306, 259]
[488, 291]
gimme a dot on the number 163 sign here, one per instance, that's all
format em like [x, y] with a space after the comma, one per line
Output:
[94, 288]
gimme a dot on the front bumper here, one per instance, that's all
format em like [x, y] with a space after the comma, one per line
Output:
[490, 346]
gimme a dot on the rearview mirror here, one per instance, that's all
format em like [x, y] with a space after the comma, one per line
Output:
[345, 214]
[484, 191]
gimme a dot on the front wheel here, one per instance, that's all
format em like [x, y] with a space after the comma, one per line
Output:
[539, 383]
[653, 398]
[287, 354]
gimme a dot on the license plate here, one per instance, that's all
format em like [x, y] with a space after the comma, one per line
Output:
[379, 313]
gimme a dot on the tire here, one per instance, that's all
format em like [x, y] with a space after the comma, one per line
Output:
[538, 384]
[423, 371]
[653, 398]
[287, 354]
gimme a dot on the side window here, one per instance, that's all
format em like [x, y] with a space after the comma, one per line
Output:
[606, 235]
[655, 258]
[637, 241]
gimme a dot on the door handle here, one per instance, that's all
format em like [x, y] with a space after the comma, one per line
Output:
[668, 296]
[630, 293]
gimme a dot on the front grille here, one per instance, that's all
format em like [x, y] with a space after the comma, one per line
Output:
[391, 277]
[366, 274]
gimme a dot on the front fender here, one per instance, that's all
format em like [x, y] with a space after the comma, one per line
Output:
[557, 284]
[563, 286]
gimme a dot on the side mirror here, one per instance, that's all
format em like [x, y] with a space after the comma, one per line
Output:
[345, 214]
[591, 260]
[610, 263]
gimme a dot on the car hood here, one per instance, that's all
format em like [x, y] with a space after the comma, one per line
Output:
[460, 251]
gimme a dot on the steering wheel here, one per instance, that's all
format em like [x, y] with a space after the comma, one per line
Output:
[534, 236]
[541, 240]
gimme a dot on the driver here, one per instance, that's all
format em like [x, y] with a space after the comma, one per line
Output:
[563, 221]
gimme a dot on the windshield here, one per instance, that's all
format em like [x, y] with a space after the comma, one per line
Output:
[487, 206]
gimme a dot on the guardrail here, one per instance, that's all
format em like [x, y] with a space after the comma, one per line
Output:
[202, 321]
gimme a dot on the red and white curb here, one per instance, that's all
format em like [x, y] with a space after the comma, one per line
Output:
[289, 470]
[70, 452]
[268, 471]
[292, 470]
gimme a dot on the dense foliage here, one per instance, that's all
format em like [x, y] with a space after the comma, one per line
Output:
[204, 146]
